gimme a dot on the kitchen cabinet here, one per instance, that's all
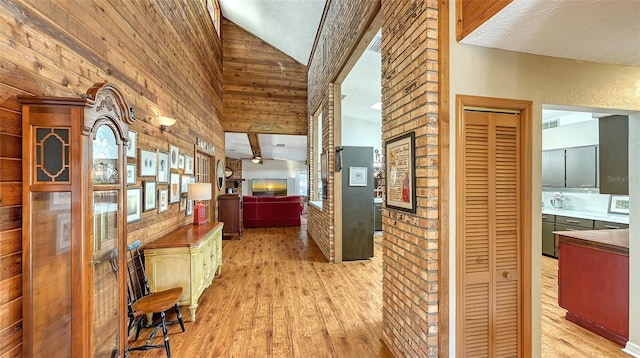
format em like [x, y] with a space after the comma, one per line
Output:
[581, 167]
[548, 239]
[553, 168]
[377, 216]
[607, 225]
[614, 155]
[566, 223]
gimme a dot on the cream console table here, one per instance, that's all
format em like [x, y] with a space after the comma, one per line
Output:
[188, 257]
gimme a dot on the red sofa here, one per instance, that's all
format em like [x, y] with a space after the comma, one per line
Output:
[268, 211]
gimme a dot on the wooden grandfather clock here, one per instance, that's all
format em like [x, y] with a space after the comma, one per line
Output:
[74, 224]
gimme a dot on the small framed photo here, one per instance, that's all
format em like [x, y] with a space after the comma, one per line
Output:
[619, 204]
[163, 200]
[183, 204]
[181, 161]
[147, 163]
[357, 176]
[131, 173]
[173, 156]
[163, 167]
[188, 164]
[189, 210]
[131, 148]
[63, 237]
[174, 188]
[149, 195]
[186, 179]
[134, 204]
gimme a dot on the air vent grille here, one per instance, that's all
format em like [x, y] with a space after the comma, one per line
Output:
[375, 45]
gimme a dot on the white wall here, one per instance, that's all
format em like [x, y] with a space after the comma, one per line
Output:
[271, 169]
[571, 135]
[359, 133]
[542, 80]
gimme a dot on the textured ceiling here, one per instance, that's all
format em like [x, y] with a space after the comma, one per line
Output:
[605, 31]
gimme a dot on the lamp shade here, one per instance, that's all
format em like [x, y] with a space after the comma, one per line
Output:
[199, 191]
[166, 121]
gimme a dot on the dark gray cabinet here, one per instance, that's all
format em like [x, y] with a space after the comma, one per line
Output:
[553, 168]
[581, 167]
[377, 216]
[614, 155]
[548, 239]
[607, 225]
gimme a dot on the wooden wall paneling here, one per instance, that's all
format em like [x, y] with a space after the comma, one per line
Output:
[265, 91]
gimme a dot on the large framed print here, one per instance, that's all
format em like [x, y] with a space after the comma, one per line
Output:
[173, 156]
[163, 167]
[149, 195]
[188, 164]
[147, 163]
[163, 200]
[400, 173]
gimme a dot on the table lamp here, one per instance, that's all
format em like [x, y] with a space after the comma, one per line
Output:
[198, 192]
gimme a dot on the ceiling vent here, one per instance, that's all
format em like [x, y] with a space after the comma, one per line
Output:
[376, 44]
[280, 145]
[550, 124]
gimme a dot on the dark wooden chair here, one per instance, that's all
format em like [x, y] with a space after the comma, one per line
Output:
[144, 304]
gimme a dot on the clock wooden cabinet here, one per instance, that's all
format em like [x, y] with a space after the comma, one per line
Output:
[74, 224]
[230, 213]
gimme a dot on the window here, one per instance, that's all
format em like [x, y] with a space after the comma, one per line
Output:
[214, 12]
[302, 182]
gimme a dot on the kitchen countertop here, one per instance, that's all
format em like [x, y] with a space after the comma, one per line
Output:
[616, 241]
[620, 219]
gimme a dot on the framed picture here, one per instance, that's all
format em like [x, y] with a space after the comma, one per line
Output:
[619, 204]
[180, 161]
[186, 179]
[357, 176]
[400, 173]
[189, 208]
[60, 201]
[131, 173]
[163, 167]
[174, 188]
[63, 236]
[134, 204]
[131, 149]
[173, 156]
[163, 200]
[183, 204]
[188, 164]
[147, 163]
[149, 195]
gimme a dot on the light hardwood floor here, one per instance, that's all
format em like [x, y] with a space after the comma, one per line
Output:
[277, 297]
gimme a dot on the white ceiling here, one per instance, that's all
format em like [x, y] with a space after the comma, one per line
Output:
[605, 31]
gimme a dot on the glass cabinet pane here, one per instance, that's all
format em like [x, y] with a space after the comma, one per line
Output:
[51, 274]
[105, 157]
[105, 246]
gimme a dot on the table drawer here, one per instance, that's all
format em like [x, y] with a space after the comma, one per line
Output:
[583, 223]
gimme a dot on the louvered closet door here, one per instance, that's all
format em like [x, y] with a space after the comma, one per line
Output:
[489, 303]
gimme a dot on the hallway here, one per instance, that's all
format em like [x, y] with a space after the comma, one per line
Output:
[277, 297]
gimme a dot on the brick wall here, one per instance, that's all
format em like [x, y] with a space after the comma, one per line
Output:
[410, 103]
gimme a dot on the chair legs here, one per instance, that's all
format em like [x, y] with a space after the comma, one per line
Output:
[162, 324]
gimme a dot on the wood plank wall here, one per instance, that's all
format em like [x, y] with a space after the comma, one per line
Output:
[265, 90]
[165, 57]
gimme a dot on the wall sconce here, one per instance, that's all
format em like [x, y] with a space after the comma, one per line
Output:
[256, 160]
[165, 122]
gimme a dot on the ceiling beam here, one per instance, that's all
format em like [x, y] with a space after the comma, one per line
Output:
[254, 142]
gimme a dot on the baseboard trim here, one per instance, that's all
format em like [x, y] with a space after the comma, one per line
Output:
[632, 349]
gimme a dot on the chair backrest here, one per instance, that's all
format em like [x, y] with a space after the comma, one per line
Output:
[137, 283]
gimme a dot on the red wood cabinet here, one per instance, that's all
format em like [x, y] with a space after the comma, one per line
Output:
[593, 281]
